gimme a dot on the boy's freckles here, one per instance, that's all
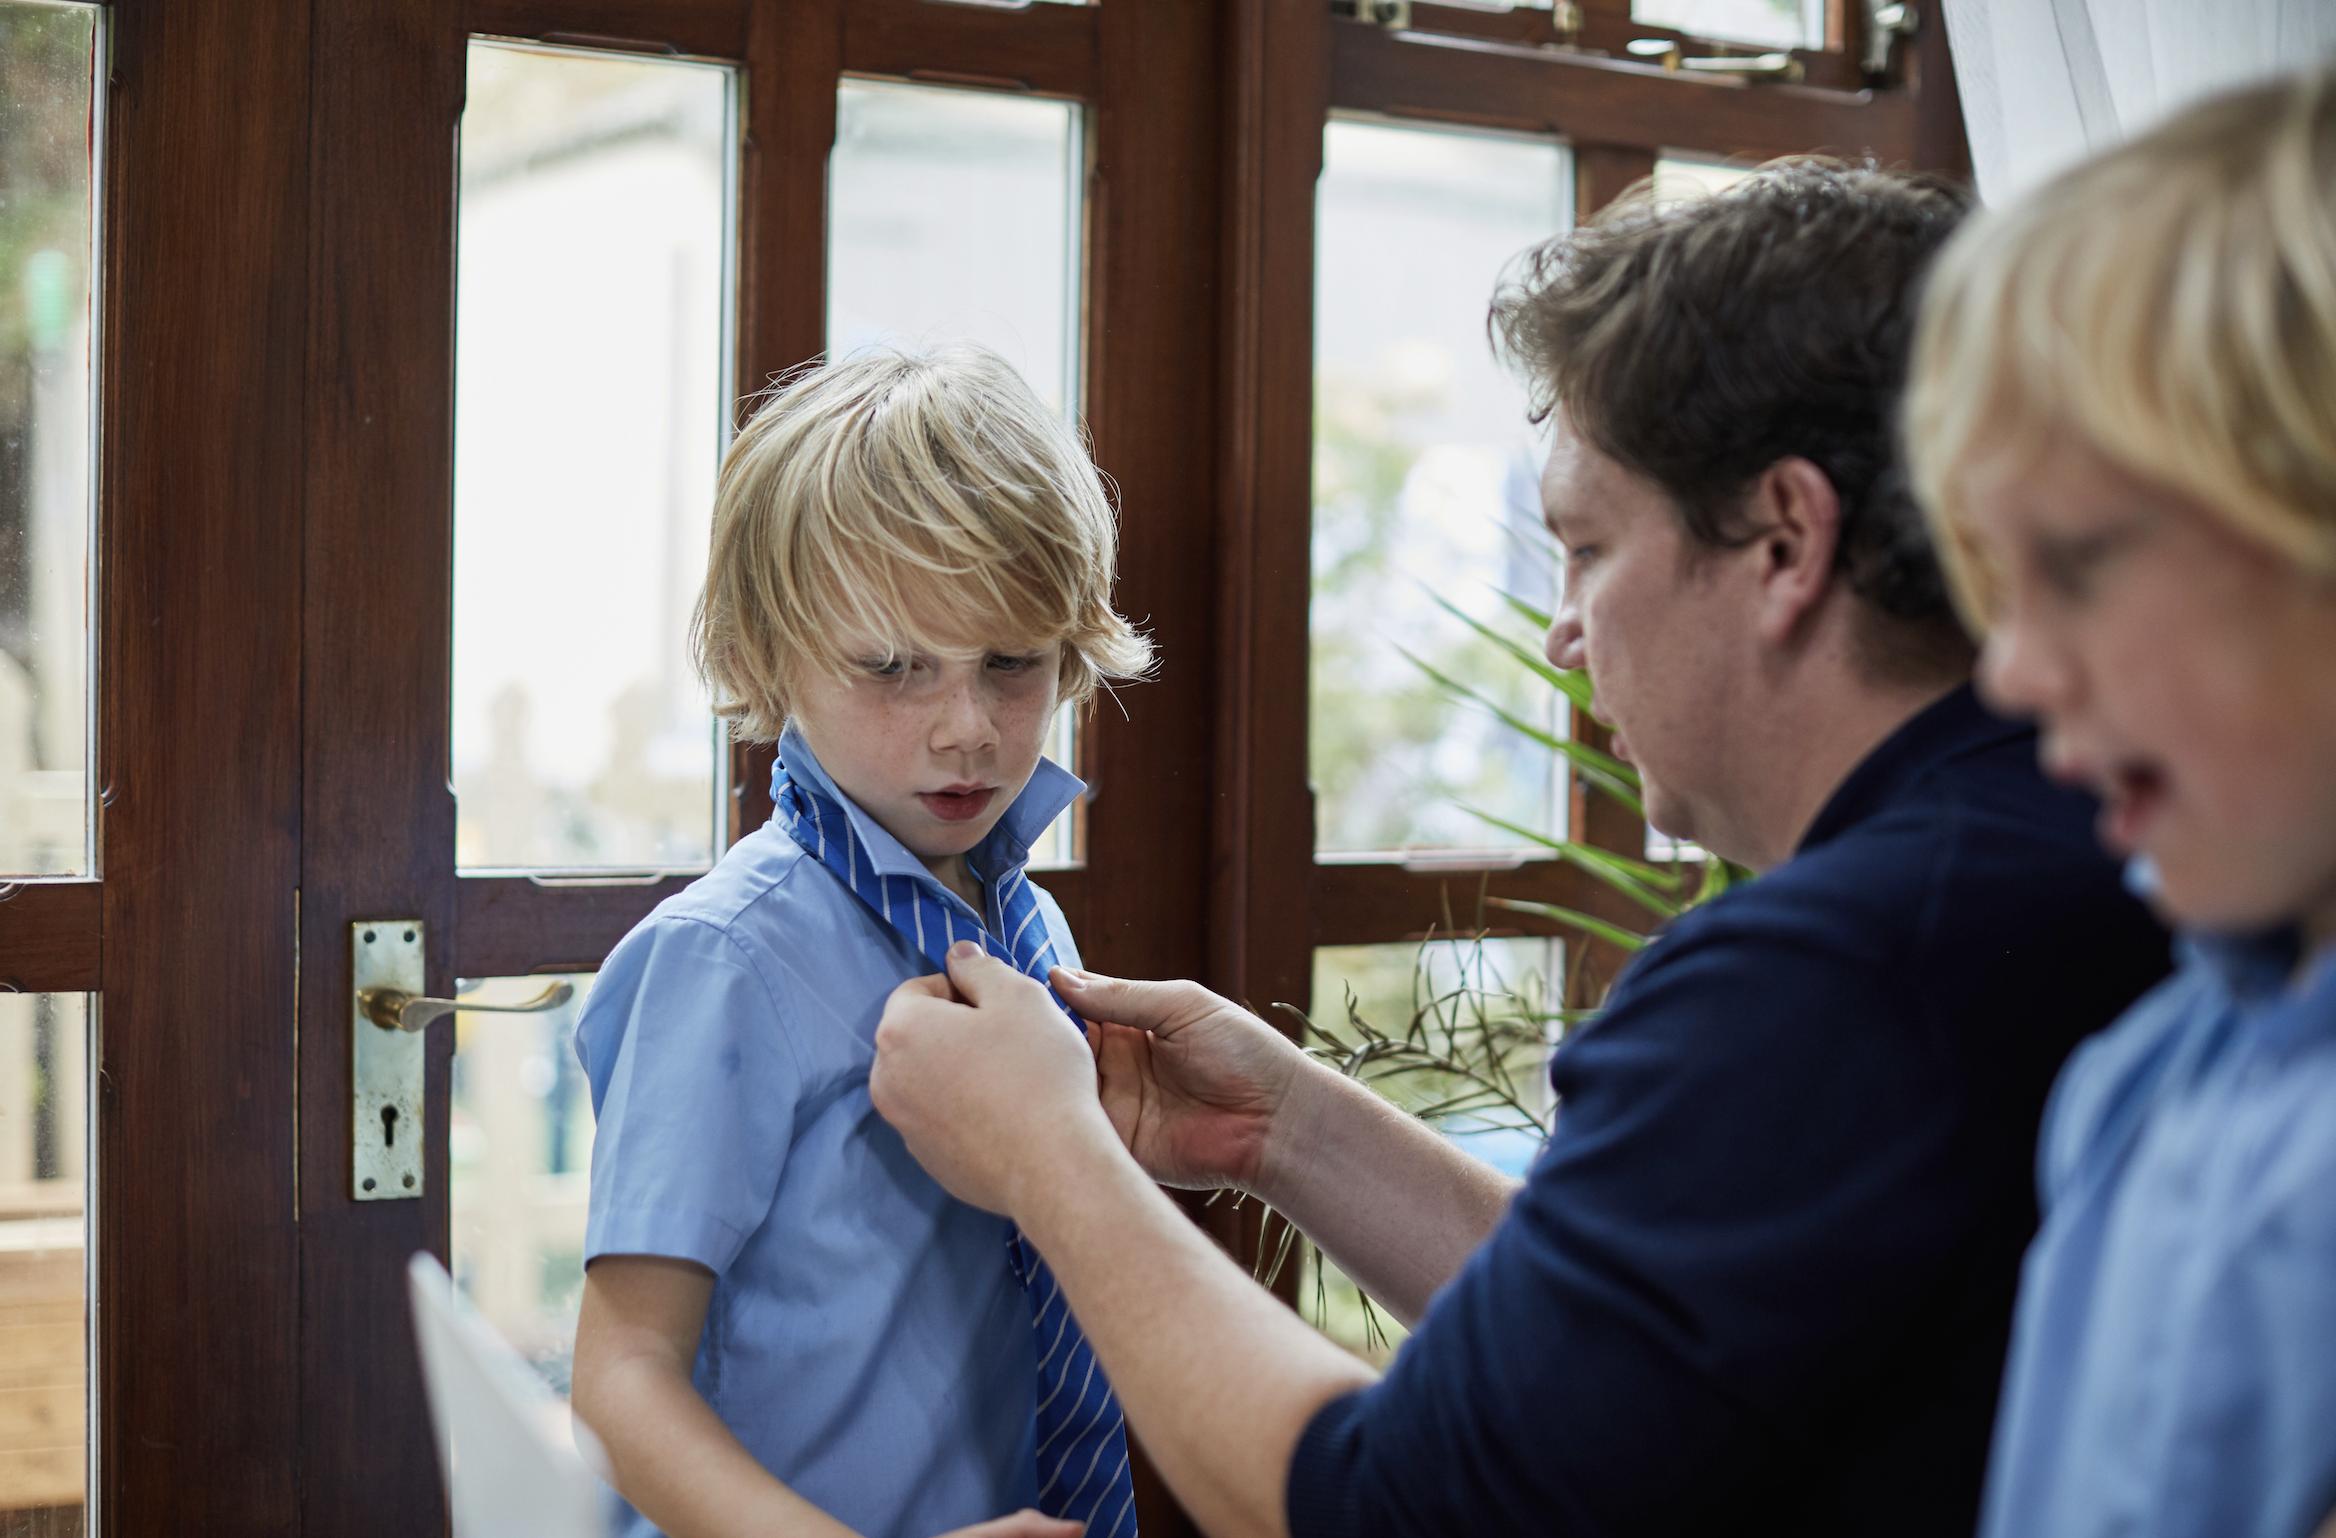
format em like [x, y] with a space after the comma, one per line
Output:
[937, 750]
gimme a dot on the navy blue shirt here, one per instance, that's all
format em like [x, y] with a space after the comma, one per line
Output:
[1761, 1277]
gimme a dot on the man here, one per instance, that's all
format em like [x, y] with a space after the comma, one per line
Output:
[1761, 1276]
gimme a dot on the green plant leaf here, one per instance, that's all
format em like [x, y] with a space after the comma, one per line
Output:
[1596, 928]
[1533, 661]
[1602, 771]
[1609, 868]
[1525, 611]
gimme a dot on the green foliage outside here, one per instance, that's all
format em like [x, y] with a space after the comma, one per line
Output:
[1468, 1050]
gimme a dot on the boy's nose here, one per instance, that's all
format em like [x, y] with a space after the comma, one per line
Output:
[964, 724]
[2021, 673]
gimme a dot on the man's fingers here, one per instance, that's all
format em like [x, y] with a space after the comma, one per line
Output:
[934, 986]
[1147, 1006]
[977, 973]
[1025, 1523]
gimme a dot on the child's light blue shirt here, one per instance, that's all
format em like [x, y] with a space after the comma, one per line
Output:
[866, 1340]
[2173, 1366]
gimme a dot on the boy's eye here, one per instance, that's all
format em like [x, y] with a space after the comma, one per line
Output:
[883, 667]
[2068, 566]
[1005, 663]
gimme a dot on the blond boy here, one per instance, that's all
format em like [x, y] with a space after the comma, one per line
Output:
[788, 1328]
[2123, 415]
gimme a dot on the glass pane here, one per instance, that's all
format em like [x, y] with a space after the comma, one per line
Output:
[1479, 1005]
[1426, 491]
[592, 388]
[48, 126]
[520, 1147]
[1772, 23]
[1681, 177]
[956, 215]
[44, 1278]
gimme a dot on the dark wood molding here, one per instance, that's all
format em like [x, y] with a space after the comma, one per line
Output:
[1941, 141]
[707, 29]
[52, 936]
[203, 378]
[379, 819]
[1594, 99]
[1277, 72]
[508, 926]
[1383, 902]
[1050, 49]
[794, 59]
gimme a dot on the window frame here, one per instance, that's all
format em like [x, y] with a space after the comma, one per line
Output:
[253, 1365]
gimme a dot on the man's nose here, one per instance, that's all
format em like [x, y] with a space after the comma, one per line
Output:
[1563, 644]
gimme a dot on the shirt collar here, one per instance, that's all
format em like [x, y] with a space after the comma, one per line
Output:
[1953, 724]
[1005, 848]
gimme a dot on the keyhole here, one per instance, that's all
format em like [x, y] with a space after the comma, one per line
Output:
[389, 1126]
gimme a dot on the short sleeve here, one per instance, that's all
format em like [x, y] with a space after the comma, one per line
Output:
[694, 1087]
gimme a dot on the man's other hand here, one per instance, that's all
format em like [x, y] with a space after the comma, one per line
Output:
[1192, 1082]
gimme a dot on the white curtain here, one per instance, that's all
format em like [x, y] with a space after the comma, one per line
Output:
[2045, 81]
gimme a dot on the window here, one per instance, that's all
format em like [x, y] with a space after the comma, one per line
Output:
[592, 393]
[957, 216]
[1426, 491]
[1772, 23]
[48, 124]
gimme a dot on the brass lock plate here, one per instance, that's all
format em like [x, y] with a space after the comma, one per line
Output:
[388, 1067]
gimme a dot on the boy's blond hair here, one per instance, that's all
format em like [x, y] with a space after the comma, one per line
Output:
[920, 503]
[2172, 304]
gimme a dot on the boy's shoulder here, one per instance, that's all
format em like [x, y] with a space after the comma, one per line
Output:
[756, 896]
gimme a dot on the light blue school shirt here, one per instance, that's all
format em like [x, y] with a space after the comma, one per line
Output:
[866, 1340]
[2173, 1365]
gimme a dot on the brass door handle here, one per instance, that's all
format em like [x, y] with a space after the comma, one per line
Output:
[394, 1009]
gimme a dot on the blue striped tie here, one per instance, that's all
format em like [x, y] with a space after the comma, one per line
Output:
[1081, 1436]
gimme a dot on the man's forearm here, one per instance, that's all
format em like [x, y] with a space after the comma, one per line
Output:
[1218, 1377]
[1394, 1204]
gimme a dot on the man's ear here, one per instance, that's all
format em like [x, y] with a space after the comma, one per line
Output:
[1798, 513]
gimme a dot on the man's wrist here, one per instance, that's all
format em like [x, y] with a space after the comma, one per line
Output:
[1058, 1150]
[1306, 1100]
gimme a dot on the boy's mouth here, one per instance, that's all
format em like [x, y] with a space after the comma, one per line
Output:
[2132, 794]
[959, 803]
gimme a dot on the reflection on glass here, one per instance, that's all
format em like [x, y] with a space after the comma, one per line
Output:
[48, 124]
[592, 394]
[955, 215]
[1770, 23]
[520, 1147]
[1425, 490]
[1680, 178]
[1478, 1001]
[44, 1290]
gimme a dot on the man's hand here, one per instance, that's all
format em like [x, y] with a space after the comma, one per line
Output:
[1191, 1082]
[1025, 1523]
[987, 1081]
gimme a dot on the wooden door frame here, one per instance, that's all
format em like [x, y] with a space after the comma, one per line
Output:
[276, 418]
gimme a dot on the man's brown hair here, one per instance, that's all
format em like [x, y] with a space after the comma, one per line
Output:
[1698, 342]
